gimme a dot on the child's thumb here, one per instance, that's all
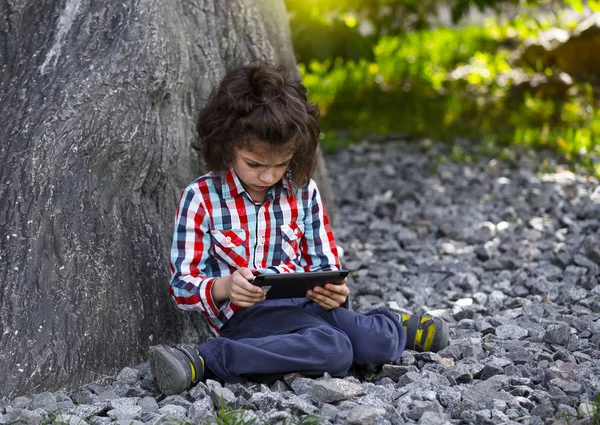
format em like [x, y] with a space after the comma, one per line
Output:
[246, 273]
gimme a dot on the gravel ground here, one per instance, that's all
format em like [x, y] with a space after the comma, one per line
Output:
[508, 256]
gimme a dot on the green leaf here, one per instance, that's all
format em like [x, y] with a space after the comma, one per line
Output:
[576, 4]
[594, 5]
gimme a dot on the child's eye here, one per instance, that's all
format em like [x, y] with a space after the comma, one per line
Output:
[252, 165]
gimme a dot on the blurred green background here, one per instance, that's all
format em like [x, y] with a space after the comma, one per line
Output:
[496, 73]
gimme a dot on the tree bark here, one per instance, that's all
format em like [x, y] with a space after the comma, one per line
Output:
[97, 102]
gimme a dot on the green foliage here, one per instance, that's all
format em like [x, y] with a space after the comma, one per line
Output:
[593, 419]
[444, 83]
[230, 416]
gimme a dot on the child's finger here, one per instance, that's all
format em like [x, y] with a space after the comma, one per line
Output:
[247, 286]
[341, 289]
[242, 303]
[324, 301]
[337, 296]
[240, 299]
[250, 291]
[246, 273]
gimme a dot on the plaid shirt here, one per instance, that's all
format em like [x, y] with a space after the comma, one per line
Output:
[219, 228]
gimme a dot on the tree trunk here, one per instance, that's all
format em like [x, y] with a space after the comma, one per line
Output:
[97, 102]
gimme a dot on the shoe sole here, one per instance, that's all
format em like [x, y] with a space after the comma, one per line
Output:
[440, 342]
[169, 372]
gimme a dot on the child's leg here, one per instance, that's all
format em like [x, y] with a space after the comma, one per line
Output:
[275, 338]
[377, 337]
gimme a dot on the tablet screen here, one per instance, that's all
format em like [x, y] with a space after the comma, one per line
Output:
[295, 285]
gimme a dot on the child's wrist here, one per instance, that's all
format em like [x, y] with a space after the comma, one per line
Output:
[221, 288]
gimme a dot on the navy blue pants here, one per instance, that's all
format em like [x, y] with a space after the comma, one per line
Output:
[275, 337]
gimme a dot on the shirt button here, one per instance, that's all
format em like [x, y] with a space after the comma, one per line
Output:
[228, 239]
[296, 231]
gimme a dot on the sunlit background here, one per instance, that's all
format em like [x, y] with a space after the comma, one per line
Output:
[497, 73]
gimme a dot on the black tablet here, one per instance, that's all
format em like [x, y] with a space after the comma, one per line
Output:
[295, 285]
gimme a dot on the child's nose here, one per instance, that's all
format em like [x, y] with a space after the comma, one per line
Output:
[268, 176]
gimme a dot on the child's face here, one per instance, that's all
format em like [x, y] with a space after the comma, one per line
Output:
[259, 166]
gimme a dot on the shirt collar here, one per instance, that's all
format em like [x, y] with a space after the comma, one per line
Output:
[232, 185]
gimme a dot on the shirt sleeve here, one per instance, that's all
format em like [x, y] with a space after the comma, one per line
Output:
[189, 285]
[318, 248]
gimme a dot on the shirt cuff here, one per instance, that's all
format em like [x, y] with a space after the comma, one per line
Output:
[206, 296]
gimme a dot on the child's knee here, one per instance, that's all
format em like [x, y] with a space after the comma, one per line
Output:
[338, 353]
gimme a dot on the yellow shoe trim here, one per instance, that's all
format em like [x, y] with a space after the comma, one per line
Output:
[418, 336]
[193, 371]
[429, 340]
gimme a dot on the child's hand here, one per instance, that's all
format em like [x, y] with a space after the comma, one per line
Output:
[241, 292]
[331, 296]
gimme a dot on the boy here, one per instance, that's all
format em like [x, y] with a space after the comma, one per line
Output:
[258, 211]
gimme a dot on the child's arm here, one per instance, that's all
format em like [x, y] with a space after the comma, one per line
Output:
[190, 286]
[319, 252]
[237, 288]
[318, 249]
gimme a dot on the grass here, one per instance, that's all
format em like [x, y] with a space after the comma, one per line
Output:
[593, 417]
[230, 416]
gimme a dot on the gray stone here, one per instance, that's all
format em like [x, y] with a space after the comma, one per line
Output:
[129, 376]
[22, 416]
[409, 378]
[100, 420]
[360, 415]
[71, 420]
[331, 390]
[123, 401]
[448, 396]
[278, 417]
[458, 374]
[432, 418]
[511, 332]
[86, 411]
[198, 391]
[280, 386]
[301, 385]
[173, 412]
[490, 370]
[557, 333]
[587, 410]
[126, 411]
[451, 351]
[21, 402]
[148, 405]
[419, 407]
[128, 422]
[568, 387]
[545, 408]
[138, 391]
[176, 400]
[266, 401]
[45, 401]
[107, 395]
[483, 393]
[201, 410]
[395, 372]
[428, 356]
[219, 395]
[329, 412]
[299, 405]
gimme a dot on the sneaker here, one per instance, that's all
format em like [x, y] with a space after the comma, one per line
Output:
[175, 367]
[425, 333]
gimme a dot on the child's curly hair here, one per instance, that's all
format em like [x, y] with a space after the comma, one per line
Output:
[259, 102]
